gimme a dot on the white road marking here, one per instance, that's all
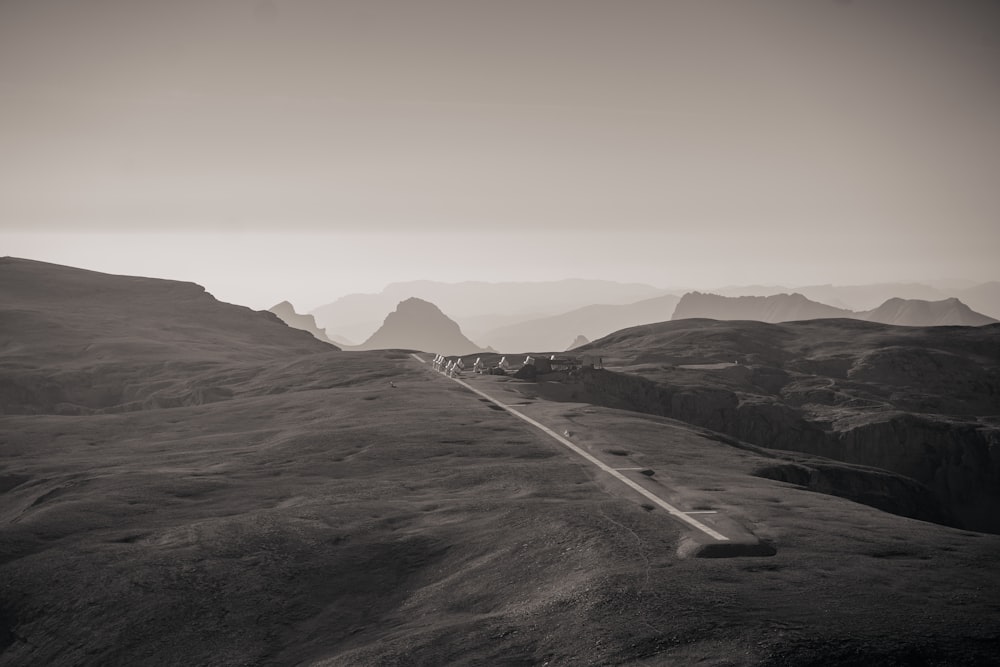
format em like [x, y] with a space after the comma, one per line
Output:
[673, 511]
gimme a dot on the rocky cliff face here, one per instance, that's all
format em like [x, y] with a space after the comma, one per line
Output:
[946, 471]
[921, 403]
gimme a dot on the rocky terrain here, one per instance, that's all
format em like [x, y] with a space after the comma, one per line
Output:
[920, 402]
[319, 507]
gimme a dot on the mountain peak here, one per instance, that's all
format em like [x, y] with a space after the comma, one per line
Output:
[417, 324]
[416, 305]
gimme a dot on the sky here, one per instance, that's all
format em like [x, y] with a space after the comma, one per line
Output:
[305, 149]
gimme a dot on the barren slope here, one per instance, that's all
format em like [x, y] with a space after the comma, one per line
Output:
[921, 402]
[319, 515]
[75, 341]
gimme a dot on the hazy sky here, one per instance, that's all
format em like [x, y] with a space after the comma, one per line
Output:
[303, 149]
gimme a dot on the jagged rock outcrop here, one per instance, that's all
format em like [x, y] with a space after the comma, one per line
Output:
[420, 325]
[286, 313]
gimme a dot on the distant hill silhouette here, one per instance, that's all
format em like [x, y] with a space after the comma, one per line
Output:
[919, 313]
[580, 340]
[419, 325]
[796, 307]
[358, 315]
[286, 312]
[983, 298]
[551, 333]
[775, 308]
[497, 313]
[342, 341]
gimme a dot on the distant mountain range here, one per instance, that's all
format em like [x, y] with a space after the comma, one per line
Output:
[548, 315]
[983, 298]
[419, 325]
[558, 331]
[796, 307]
[481, 306]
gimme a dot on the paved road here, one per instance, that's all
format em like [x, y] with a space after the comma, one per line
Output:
[678, 514]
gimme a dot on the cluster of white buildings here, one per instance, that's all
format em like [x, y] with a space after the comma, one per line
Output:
[454, 367]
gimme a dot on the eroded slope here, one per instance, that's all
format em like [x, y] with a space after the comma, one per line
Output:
[921, 402]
